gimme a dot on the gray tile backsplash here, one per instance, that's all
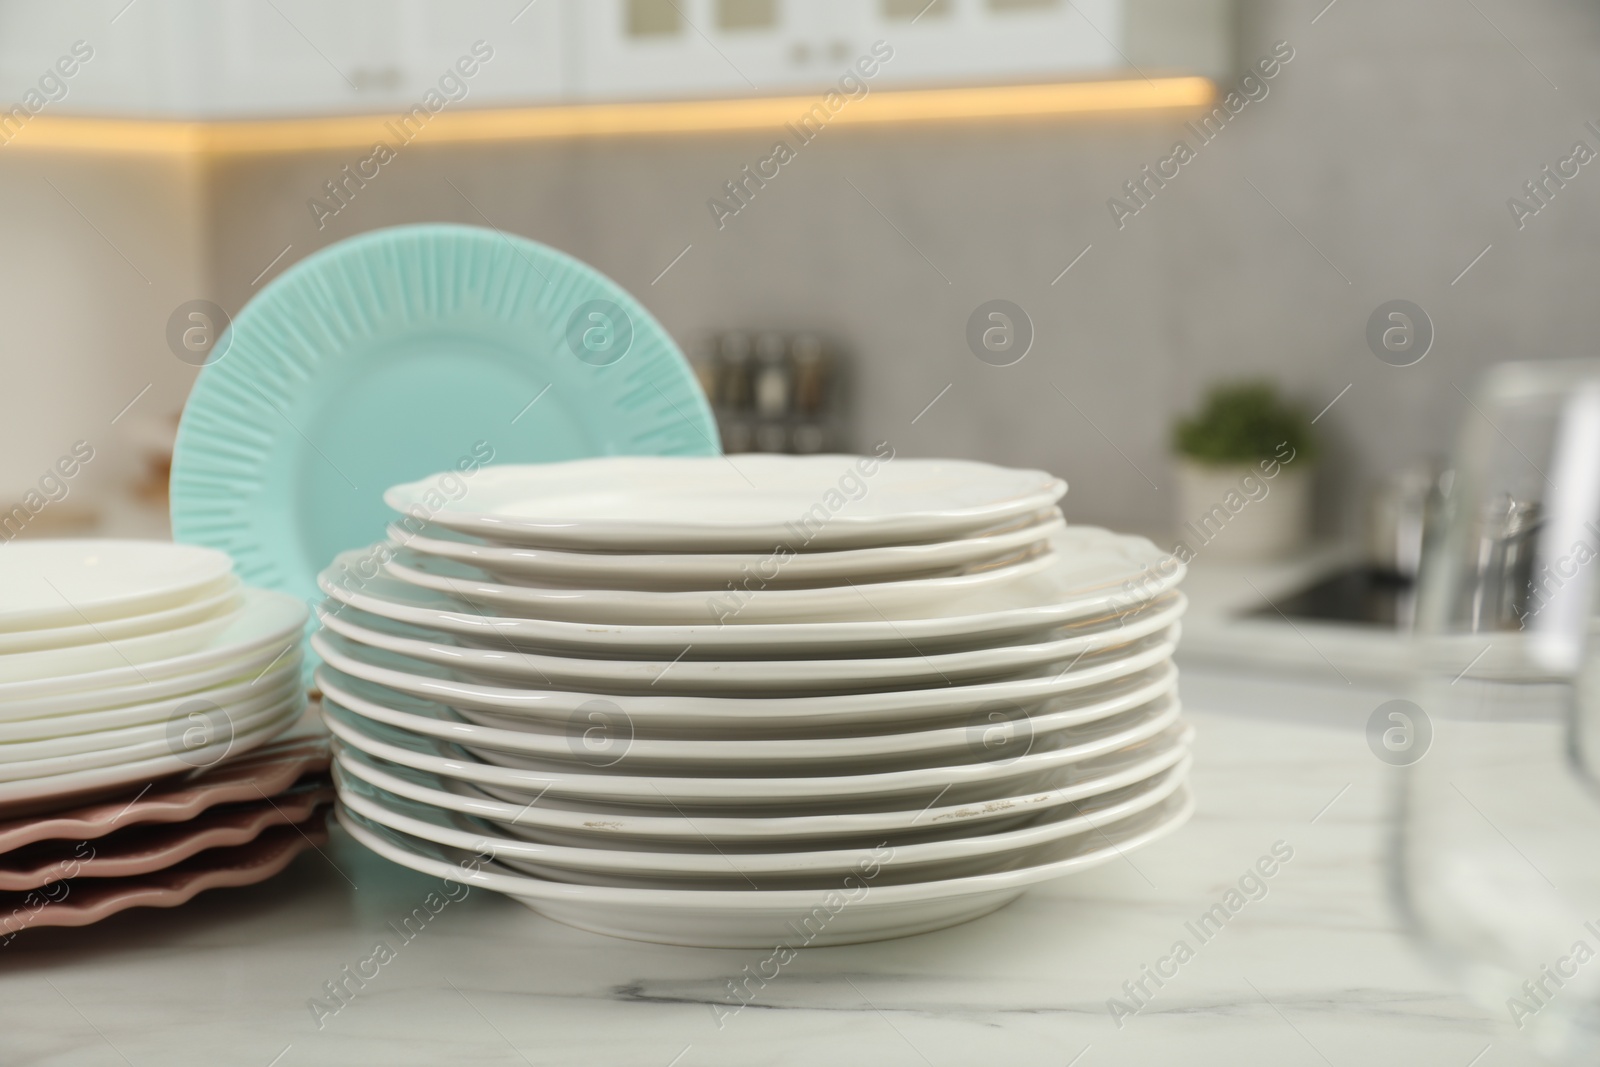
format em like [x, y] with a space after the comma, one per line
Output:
[1377, 166]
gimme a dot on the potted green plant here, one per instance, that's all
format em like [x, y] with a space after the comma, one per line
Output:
[1244, 473]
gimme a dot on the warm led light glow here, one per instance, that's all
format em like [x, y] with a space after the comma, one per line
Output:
[69, 133]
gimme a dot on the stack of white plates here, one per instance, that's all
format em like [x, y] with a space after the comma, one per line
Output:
[751, 700]
[122, 662]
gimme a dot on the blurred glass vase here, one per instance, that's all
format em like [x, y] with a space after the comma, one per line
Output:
[1495, 863]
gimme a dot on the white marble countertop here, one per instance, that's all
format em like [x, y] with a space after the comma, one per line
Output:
[1315, 972]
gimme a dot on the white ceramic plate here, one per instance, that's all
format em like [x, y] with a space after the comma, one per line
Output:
[963, 782]
[716, 868]
[853, 912]
[588, 824]
[72, 724]
[877, 711]
[980, 739]
[207, 605]
[268, 619]
[847, 603]
[992, 743]
[70, 662]
[259, 701]
[689, 570]
[746, 676]
[70, 582]
[1095, 573]
[23, 796]
[194, 728]
[248, 667]
[746, 503]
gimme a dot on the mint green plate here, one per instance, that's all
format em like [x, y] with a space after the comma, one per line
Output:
[401, 354]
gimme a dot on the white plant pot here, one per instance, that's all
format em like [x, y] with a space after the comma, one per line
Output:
[1235, 511]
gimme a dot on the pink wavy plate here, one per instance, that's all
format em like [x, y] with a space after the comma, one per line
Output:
[145, 849]
[263, 772]
[83, 902]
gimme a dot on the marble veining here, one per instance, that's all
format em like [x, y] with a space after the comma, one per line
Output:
[1317, 970]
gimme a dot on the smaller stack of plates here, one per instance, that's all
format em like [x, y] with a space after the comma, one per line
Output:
[124, 662]
[235, 825]
[753, 700]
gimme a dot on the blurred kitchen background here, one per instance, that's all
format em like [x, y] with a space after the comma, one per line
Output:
[1373, 165]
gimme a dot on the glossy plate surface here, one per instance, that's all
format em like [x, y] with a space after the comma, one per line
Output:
[762, 918]
[990, 732]
[819, 713]
[716, 867]
[999, 727]
[204, 728]
[206, 603]
[249, 666]
[917, 598]
[22, 796]
[76, 724]
[406, 353]
[71, 582]
[698, 570]
[143, 849]
[90, 902]
[748, 676]
[745, 503]
[571, 778]
[83, 747]
[269, 769]
[76, 660]
[267, 620]
[1093, 573]
[615, 826]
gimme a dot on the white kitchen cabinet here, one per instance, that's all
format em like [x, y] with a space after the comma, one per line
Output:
[683, 47]
[534, 55]
[301, 55]
[216, 59]
[992, 41]
[213, 59]
[121, 67]
[639, 49]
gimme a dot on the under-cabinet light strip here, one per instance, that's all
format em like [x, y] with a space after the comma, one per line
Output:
[247, 137]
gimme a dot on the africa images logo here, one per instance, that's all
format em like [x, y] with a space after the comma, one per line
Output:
[1252, 87]
[853, 84]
